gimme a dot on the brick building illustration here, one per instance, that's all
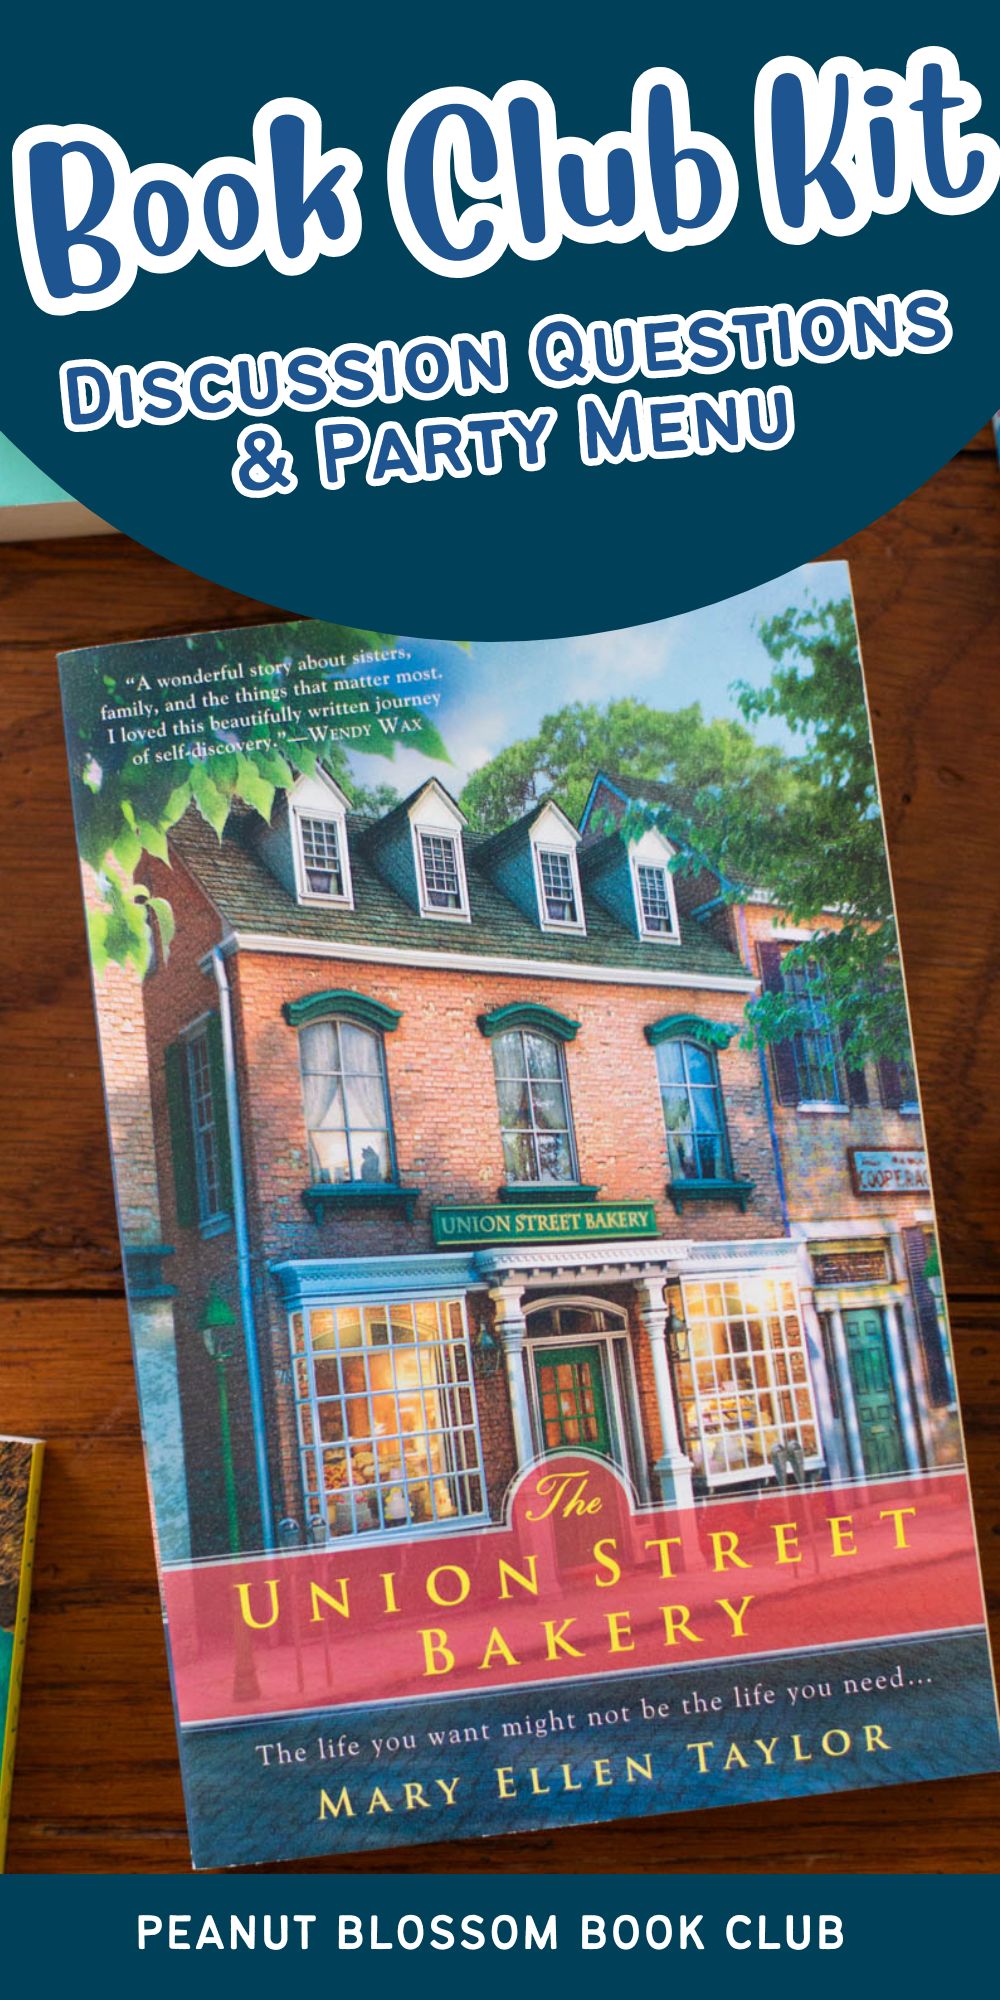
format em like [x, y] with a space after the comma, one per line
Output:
[464, 1157]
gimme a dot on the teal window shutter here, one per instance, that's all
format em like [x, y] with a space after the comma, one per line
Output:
[181, 1136]
[221, 1110]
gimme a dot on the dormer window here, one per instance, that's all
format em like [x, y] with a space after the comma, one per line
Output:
[440, 872]
[417, 849]
[653, 889]
[559, 901]
[654, 900]
[316, 834]
[322, 863]
[552, 840]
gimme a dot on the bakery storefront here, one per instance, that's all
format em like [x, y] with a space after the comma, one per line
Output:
[423, 1384]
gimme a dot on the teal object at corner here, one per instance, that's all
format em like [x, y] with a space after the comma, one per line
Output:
[22, 484]
[6, 1656]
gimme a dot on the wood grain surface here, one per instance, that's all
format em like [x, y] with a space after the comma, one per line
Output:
[97, 1785]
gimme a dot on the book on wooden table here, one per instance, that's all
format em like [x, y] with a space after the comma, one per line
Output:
[20, 1482]
[542, 1348]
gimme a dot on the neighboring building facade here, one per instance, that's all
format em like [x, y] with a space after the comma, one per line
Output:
[460, 1146]
[855, 1192]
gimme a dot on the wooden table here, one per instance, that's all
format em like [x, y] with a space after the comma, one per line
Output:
[97, 1784]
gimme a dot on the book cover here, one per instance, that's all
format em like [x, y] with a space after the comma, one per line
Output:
[20, 1482]
[543, 1356]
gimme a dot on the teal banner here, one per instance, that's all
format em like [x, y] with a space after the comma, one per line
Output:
[763, 1937]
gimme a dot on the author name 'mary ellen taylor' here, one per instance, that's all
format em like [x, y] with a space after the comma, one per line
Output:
[538, 1783]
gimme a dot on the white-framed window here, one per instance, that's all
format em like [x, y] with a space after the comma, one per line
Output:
[387, 1421]
[436, 824]
[558, 884]
[744, 1386]
[656, 909]
[653, 890]
[322, 865]
[322, 859]
[443, 890]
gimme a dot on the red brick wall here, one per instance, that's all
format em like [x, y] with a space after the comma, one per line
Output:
[444, 1104]
[176, 994]
[814, 1145]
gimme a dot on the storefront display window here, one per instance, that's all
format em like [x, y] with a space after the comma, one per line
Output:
[388, 1428]
[744, 1386]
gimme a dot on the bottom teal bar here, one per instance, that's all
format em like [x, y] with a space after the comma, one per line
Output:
[751, 1935]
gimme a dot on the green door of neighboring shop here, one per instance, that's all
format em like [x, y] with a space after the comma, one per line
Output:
[572, 1399]
[874, 1394]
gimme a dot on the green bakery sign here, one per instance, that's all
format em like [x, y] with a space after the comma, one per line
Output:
[576, 1222]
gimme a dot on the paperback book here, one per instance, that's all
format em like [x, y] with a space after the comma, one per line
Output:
[20, 1481]
[543, 1355]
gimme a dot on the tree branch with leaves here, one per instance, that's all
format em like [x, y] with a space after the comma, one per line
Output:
[819, 851]
[126, 802]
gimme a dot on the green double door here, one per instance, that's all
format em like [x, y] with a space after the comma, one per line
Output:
[874, 1391]
[572, 1399]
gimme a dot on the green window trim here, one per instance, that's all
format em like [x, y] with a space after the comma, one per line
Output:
[548, 1194]
[341, 1001]
[738, 1192]
[528, 1014]
[689, 1028]
[327, 1195]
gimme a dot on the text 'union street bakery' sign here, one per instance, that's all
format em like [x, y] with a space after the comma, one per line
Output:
[888, 1170]
[579, 1222]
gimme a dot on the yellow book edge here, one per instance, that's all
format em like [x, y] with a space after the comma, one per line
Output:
[20, 1641]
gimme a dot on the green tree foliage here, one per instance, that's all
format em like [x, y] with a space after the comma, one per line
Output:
[820, 848]
[675, 745]
[126, 802]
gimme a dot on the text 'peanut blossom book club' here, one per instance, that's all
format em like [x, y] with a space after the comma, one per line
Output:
[542, 1349]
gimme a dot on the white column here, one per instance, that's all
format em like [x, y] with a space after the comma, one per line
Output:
[900, 1382]
[832, 1437]
[847, 1404]
[673, 1470]
[511, 1328]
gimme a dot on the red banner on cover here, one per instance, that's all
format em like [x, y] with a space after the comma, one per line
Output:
[578, 1582]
